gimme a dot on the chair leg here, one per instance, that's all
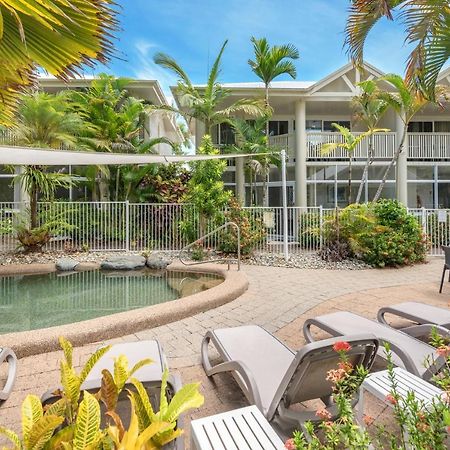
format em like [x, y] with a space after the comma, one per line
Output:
[442, 279]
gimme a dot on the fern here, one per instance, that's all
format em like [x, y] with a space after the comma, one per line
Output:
[138, 365]
[87, 424]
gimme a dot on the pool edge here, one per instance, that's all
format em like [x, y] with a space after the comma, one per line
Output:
[27, 343]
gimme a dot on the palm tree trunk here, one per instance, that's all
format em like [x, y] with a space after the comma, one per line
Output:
[391, 164]
[350, 180]
[33, 206]
[365, 174]
[267, 107]
[117, 183]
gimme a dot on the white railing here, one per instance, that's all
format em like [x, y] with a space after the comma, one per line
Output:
[284, 142]
[429, 145]
[383, 144]
[123, 226]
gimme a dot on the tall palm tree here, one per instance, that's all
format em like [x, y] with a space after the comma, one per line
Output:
[205, 103]
[45, 120]
[270, 63]
[406, 102]
[427, 26]
[60, 36]
[368, 107]
[251, 139]
[350, 144]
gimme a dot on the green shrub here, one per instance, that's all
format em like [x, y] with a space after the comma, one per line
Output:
[381, 234]
[252, 229]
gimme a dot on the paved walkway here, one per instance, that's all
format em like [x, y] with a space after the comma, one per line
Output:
[278, 299]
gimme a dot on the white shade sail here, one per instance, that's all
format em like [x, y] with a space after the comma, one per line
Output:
[24, 156]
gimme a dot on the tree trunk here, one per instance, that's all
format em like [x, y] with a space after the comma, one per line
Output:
[267, 107]
[103, 188]
[369, 162]
[391, 164]
[33, 206]
[350, 180]
[117, 183]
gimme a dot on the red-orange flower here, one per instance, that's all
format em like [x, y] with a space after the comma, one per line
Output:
[391, 399]
[290, 444]
[341, 346]
[443, 351]
[368, 420]
[323, 414]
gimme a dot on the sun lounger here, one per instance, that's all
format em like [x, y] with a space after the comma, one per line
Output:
[273, 377]
[8, 356]
[419, 313]
[406, 350]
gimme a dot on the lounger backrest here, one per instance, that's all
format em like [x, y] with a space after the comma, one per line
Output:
[306, 377]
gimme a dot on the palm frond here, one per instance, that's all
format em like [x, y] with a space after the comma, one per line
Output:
[166, 61]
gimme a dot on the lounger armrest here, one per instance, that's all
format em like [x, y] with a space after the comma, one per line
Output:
[425, 329]
[382, 312]
[6, 354]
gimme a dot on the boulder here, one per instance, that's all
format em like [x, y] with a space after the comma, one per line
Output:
[157, 263]
[66, 264]
[131, 262]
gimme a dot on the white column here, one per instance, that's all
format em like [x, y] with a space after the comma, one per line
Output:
[402, 164]
[20, 194]
[240, 180]
[300, 153]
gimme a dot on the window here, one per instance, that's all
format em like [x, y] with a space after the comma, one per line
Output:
[277, 127]
[313, 125]
[420, 127]
[226, 134]
[328, 124]
[442, 127]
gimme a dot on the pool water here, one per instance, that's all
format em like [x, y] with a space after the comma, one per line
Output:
[29, 302]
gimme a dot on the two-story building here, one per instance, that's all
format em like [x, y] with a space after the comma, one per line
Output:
[157, 125]
[303, 113]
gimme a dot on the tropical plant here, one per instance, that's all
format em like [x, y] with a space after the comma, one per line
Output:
[406, 102]
[75, 419]
[350, 144]
[251, 139]
[368, 108]
[427, 26]
[61, 36]
[205, 103]
[206, 191]
[270, 63]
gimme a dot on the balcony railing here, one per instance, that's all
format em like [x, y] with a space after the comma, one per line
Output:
[429, 146]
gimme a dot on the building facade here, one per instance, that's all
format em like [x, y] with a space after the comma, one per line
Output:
[303, 113]
[157, 125]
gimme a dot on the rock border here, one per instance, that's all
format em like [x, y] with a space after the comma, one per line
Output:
[34, 342]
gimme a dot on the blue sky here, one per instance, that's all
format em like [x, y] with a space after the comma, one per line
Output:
[193, 31]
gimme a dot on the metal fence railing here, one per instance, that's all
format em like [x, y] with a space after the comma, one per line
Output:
[124, 226]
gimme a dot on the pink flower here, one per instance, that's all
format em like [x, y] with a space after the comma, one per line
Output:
[391, 399]
[290, 444]
[335, 375]
[345, 366]
[323, 414]
[445, 396]
[443, 351]
[341, 346]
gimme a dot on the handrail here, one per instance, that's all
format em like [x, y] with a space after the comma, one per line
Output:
[227, 260]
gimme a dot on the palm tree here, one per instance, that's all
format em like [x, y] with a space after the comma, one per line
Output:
[427, 27]
[205, 103]
[368, 108]
[251, 139]
[45, 120]
[350, 144]
[406, 102]
[270, 63]
[59, 36]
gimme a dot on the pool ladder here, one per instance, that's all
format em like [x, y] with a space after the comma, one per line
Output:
[200, 240]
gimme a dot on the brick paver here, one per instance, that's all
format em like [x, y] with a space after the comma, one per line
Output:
[279, 299]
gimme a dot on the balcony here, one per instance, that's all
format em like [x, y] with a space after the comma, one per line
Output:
[422, 146]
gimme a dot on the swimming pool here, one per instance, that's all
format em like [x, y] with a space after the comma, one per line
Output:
[30, 302]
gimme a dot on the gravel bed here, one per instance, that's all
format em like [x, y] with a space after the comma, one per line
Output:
[299, 261]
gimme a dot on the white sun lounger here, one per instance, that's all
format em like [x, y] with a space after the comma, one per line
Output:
[8, 356]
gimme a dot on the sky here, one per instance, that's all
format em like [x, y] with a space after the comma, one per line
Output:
[193, 31]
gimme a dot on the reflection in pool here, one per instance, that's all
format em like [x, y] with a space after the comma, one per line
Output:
[29, 302]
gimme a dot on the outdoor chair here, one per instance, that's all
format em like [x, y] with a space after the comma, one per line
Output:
[149, 375]
[9, 357]
[273, 377]
[407, 351]
[420, 313]
[446, 250]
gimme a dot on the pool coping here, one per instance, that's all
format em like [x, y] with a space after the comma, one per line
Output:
[34, 342]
